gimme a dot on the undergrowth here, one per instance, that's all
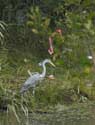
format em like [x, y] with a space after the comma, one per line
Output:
[69, 86]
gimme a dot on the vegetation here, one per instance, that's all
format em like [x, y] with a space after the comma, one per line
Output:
[24, 34]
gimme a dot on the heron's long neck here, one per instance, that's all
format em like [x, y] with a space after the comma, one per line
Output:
[44, 70]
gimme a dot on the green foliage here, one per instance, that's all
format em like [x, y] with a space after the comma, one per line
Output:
[67, 87]
[37, 22]
[40, 30]
[74, 77]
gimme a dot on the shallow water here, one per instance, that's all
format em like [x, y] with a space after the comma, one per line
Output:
[50, 120]
[76, 115]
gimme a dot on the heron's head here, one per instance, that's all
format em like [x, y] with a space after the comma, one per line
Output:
[48, 61]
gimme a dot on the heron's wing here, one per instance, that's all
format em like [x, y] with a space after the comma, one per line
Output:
[32, 79]
[30, 82]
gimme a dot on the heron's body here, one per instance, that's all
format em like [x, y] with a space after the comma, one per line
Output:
[30, 82]
[34, 79]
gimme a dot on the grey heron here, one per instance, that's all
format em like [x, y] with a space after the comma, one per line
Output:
[34, 78]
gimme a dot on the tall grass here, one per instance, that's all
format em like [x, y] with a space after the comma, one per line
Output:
[74, 80]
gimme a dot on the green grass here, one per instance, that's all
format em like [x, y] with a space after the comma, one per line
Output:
[69, 86]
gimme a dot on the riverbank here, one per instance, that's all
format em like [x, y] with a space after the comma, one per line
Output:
[79, 113]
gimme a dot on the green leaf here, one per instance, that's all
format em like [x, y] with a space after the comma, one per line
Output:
[30, 23]
[35, 31]
[47, 22]
[1, 35]
[88, 25]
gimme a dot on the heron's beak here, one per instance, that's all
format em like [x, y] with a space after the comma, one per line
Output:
[52, 64]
